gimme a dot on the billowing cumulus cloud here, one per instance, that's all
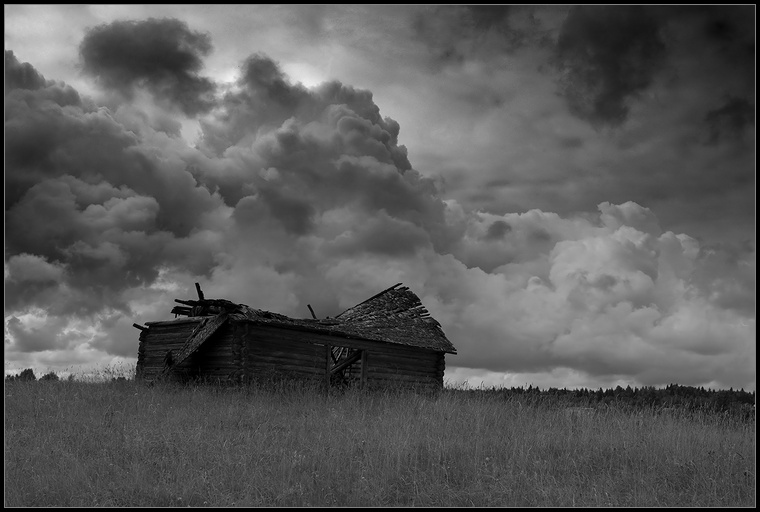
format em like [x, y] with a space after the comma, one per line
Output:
[294, 196]
[611, 296]
[162, 55]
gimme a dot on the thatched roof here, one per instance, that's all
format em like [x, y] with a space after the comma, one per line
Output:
[395, 316]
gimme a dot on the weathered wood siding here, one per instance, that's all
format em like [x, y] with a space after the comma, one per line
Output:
[273, 353]
[245, 350]
[274, 349]
[157, 339]
[405, 366]
[218, 358]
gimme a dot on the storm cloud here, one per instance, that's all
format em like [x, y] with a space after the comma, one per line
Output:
[295, 195]
[607, 56]
[162, 55]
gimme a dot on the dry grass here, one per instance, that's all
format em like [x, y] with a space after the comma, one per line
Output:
[125, 444]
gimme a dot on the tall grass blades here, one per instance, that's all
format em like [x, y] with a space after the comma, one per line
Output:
[122, 443]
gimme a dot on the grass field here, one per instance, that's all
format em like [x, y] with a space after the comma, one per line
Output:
[127, 444]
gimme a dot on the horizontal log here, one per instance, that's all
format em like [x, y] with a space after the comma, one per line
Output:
[373, 367]
[380, 370]
[306, 336]
[285, 368]
[182, 310]
[285, 363]
[156, 342]
[171, 323]
[405, 361]
[191, 303]
[266, 345]
[220, 335]
[375, 371]
[221, 355]
[426, 357]
[276, 355]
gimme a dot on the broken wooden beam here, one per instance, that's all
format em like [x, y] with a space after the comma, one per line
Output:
[347, 362]
[197, 337]
[311, 311]
[187, 302]
[142, 328]
[181, 310]
[200, 292]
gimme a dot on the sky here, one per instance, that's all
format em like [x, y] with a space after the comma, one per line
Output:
[570, 190]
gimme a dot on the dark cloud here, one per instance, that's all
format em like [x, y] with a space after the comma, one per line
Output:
[128, 202]
[122, 208]
[455, 34]
[607, 55]
[21, 76]
[295, 213]
[487, 16]
[264, 100]
[162, 55]
[31, 339]
[730, 121]
[383, 235]
[497, 230]
[732, 28]
[308, 195]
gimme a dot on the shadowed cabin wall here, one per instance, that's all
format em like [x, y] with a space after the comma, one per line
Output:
[275, 349]
[242, 348]
[220, 358]
[267, 353]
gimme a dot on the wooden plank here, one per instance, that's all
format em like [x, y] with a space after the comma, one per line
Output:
[265, 345]
[171, 323]
[312, 363]
[286, 359]
[198, 337]
[257, 367]
[407, 361]
[303, 336]
[200, 292]
[182, 310]
[405, 367]
[417, 359]
[346, 362]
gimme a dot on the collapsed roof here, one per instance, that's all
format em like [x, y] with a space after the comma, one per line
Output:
[394, 316]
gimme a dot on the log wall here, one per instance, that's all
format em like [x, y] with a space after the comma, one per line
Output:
[218, 358]
[156, 340]
[275, 349]
[245, 350]
[271, 354]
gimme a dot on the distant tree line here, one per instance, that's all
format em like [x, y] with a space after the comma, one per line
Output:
[28, 376]
[672, 396]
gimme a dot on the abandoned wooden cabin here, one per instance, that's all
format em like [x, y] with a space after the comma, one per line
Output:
[389, 339]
